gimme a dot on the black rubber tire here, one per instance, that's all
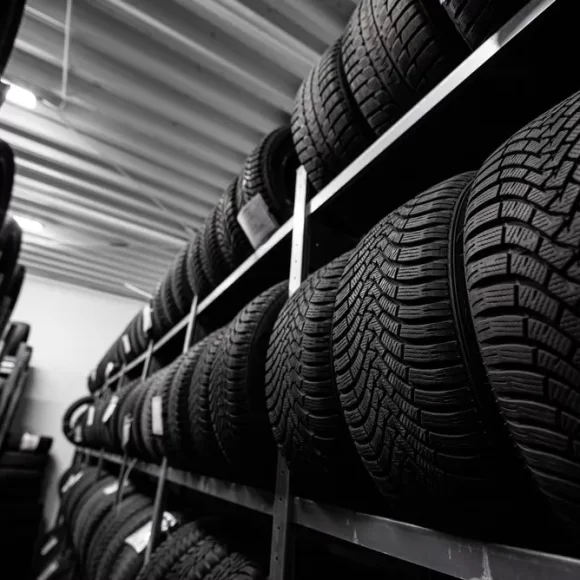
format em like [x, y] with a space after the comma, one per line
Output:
[127, 407]
[10, 17]
[327, 127]
[477, 20]
[129, 525]
[23, 459]
[10, 242]
[127, 564]
[270, 171]
[13, 292]
[239, 244]
[216, 258]
[521, 240]
[211, 458]
[7, 168]
[160, 323]
[109, 528]
[237, 388]
[394, 52]
[154, 387]
[302, 399]
[137, 436]
[199, 560]
[179, 446]
[198, 281]
[407, 397]
[235, 566]
[171, 550]
[70, 414]
[76, 493]
[182, 293]
[170, 307]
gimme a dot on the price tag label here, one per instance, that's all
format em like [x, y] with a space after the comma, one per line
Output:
[126, 344]
[156, 416]
[109, 369]
[48, 571]
[94, 375]
[49, 545]
[127, 423]
[29, 442]
[147, 321]
[90, 415]
[110, 489]
[78, 434]
[139, 539]
[113, 402]
[71, 481]
[256, 221]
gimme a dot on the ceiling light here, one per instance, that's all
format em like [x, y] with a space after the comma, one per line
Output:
[20, 96]
[29, 225]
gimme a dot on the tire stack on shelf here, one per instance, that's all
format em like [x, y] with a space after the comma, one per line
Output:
[23, 462]
[108, 531]
[438, 362]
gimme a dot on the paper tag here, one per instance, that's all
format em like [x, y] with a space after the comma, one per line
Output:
[90, 415]
[48, 571]
[126, 344]
[110, 489]
[75, 416]
[29, 442]
[156, 417]
[113, 402]
[109, 369]
[139, 539]
[127, 423]
[48, 546]
[256, 221]
[72, 480]
[94, 375]
[78, 434]
[147, 321]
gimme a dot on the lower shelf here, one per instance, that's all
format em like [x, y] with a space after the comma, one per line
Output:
[445, 553]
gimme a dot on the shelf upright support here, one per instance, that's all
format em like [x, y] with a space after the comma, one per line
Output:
[157, 519]
[281, 567]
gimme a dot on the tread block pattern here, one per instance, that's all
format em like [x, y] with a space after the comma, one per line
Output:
[522, 263]
[394, 52]
[403, 385]
[237, 389]
[477, 20]
[301, 394]
[211, 459]
[328, 129]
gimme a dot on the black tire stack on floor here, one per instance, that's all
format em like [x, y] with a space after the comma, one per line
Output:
[23, 463]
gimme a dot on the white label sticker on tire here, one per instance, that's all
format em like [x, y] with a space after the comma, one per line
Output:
[48, 571]
[109, 369]
[29, 442]
[138, 540]
[147, 322]
[78, 434]
[90, 415]
[113, 402]
[49, 545]
[126, 344]
[256, 221]
[110, 489]
[72, 480]
[127, 423]
[156, 416]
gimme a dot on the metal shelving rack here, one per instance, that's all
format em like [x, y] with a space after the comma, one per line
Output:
[457, 557]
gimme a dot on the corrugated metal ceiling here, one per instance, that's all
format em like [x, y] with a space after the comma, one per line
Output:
[164, 100]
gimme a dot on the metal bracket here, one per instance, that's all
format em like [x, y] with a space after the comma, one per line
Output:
[147, 362]
[280, 555]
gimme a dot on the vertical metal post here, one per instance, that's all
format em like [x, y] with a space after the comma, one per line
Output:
[159, 496]
[281, 550]
[147, 363]
[100, 462]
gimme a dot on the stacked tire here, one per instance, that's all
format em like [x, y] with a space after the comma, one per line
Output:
[23, 463]
[392, 53]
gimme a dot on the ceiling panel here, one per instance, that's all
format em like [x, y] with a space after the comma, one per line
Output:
[162, 103]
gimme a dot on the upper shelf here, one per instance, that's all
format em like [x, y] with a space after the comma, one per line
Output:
[482, 102]
[445, 553]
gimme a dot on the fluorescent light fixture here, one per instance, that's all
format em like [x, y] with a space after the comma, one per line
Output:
[20, 96]
[29, 225]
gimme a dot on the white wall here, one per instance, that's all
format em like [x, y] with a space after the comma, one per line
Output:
[71, 328]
